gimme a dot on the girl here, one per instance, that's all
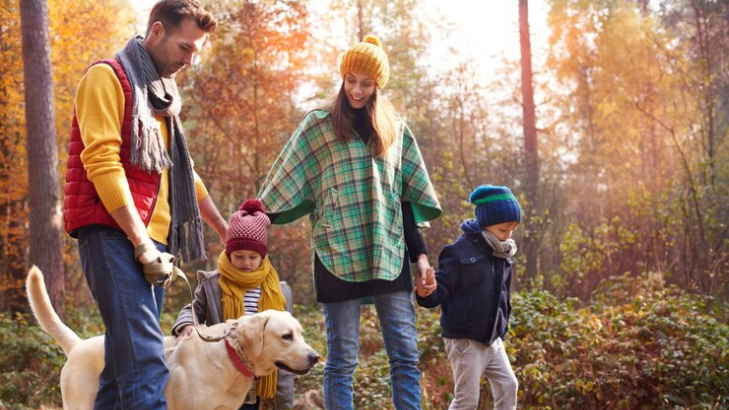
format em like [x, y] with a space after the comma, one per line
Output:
[245, 283]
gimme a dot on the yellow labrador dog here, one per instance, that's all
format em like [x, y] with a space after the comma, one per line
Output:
[203, 375]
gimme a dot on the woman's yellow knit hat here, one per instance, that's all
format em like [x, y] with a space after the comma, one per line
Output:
[367, 58]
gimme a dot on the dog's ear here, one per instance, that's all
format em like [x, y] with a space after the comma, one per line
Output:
[252, 334]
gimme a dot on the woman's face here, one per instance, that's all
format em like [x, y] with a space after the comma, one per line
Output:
[245, 260]
[359, 89]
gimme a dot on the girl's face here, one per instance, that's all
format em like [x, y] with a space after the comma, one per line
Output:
[502, 231]
[245, 260]
[359, 89]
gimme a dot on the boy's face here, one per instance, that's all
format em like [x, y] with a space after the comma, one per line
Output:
[503, 230]
[245, 260]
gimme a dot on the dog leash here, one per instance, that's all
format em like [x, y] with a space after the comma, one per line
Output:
[207, 338]
[161, 272]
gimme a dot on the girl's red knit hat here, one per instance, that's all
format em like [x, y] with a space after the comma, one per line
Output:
[248, 229]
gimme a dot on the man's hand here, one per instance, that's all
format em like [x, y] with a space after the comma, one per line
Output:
[157, 266]
[146, 252]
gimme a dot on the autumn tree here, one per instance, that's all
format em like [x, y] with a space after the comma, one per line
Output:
[611, 141]
[698, 125]
[240, 108]
[641, 142]
[87, 30]
[13, 161]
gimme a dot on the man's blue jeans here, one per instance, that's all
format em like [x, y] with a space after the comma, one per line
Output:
[397, 319]
[135, 372]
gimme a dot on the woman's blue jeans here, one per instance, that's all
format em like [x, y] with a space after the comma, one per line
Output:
[397, 320]
[135, 372]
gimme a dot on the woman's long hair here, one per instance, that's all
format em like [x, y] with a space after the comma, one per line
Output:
[380, 112]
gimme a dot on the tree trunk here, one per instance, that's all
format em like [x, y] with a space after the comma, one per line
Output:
[45, 212]
[530, 140]
[360, 28]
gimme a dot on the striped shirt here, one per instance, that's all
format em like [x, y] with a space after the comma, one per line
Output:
[250, 300]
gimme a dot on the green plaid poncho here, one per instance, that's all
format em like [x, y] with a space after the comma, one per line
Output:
[353, 198]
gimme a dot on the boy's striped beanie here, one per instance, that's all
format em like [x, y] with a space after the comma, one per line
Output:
[495, 205]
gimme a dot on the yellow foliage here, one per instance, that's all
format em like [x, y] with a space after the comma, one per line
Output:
[81, 31]
[13, 168]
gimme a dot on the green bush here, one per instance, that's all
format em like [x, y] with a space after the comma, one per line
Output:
[637, 345]
[30, 363]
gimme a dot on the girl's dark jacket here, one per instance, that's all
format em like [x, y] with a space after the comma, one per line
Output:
[473, 289]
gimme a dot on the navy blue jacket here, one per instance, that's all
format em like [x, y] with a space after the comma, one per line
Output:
[473, 290]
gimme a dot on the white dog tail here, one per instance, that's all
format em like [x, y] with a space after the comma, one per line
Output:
[43, 310]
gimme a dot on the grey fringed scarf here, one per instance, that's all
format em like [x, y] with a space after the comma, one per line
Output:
[153, 94]
[502, 249]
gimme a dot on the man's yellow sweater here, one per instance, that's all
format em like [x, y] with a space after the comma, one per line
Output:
[100, 113]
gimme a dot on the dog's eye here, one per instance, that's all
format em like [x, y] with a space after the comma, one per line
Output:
[288, 336]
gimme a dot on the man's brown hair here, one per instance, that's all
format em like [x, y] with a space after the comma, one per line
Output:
[171, 12]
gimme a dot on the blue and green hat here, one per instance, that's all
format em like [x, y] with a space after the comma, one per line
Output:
[495, 205]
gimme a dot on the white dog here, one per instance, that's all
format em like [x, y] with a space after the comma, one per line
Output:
[203, 375]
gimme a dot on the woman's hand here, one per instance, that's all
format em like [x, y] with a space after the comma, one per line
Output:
[423, 266]
[426, 283]
[425, 288]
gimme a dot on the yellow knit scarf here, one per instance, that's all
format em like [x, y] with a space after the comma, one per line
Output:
[234, 283]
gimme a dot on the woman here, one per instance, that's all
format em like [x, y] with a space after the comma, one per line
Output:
[357, 170]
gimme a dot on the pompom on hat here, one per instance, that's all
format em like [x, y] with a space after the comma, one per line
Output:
[367, 58]
[248, 229]
[495, 205]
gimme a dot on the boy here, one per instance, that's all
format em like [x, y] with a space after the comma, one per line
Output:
[245, 283]
[473, 289]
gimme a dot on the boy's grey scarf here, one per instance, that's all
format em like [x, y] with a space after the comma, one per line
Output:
[502, 249]
[153, 94]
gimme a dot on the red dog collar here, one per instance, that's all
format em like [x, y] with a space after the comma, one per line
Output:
[237, 362]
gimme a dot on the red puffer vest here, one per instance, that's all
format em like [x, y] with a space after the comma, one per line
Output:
[82, 206]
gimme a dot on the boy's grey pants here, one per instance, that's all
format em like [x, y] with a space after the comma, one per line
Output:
[471, 359]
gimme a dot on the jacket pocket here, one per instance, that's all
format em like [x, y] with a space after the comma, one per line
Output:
[473, 272]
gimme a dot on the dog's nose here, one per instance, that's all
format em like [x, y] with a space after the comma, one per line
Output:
[313, 358]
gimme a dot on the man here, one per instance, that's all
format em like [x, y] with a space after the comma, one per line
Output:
[132, 198]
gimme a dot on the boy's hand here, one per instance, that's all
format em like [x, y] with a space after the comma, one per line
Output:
[426, 284]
